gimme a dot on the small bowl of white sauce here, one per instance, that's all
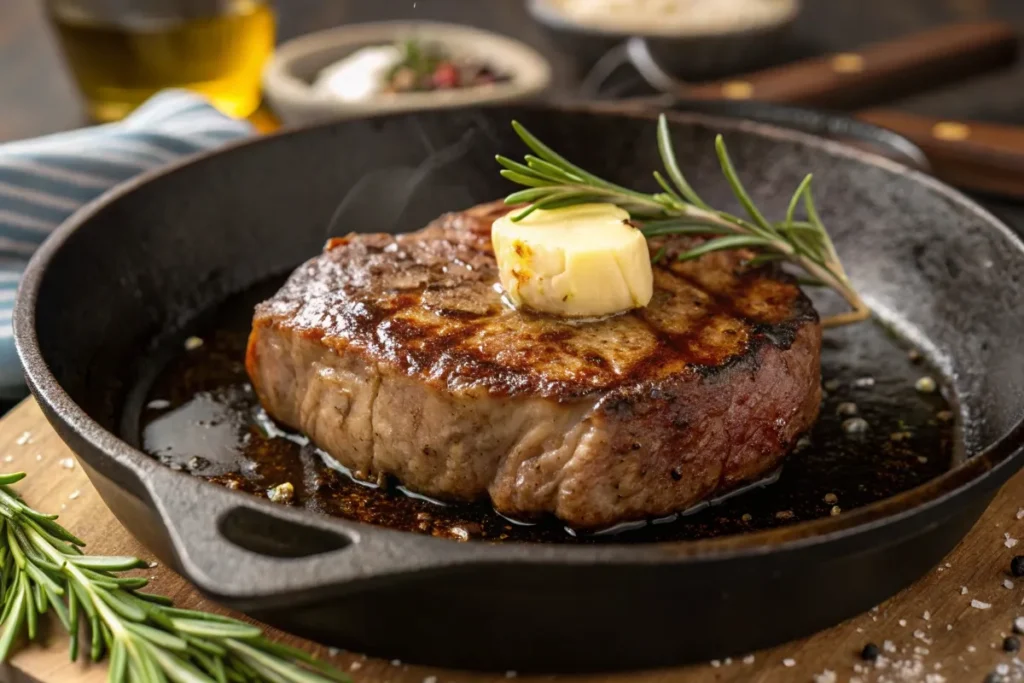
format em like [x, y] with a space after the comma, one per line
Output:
[362, 69]
[692, 39]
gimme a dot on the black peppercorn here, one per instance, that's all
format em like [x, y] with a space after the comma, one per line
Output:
[1017, 565]
[870, 652]
[1011, 644]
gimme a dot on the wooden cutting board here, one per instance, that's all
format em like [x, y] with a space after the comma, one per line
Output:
[932, 628]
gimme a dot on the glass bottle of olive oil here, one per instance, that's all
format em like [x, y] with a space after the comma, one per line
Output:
[123, 51]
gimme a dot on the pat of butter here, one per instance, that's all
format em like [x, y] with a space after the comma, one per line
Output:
[580, 261]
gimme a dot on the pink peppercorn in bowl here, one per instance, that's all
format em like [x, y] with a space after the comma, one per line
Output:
[363, 69]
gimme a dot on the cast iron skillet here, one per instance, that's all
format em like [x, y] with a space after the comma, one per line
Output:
[144, 259]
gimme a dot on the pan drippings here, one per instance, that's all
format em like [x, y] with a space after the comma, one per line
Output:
[877, 435]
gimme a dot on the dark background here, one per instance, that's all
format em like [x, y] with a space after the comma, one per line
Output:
[37, 95]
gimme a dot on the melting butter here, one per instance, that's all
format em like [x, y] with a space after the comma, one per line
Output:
[580, 261]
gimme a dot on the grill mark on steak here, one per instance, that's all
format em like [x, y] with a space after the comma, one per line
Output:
[404, 341]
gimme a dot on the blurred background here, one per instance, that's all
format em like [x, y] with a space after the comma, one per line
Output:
[38, 92]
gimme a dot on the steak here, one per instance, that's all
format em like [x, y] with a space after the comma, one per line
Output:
[396, 355]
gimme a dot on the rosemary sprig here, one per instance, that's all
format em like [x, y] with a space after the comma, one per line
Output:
[553, 182]
[146, 640]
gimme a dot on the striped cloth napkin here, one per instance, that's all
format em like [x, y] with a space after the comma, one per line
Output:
[45, 180]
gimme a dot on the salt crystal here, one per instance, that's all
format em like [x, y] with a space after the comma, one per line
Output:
[949, 566]
[888, 646]
[74, 494]
[715, 663]
[68, 463]
[949, 627]
[1010, 541]
[860, 630]
[902, 622]
[749, 659]
[355, 666]
[39, 457]
[510, 674]
[971, 648]
[8, 458]
[963, 590]
[825, 676]
[63, 506]
[927, 615]
[789, 662]
[24, 438]
[1018, 625]
[918, 650]
[430, 679]
[1007, 584]
[396, 662]
[1020, 513]
[158, 404]
[978, 604]
[1003, 669]
[727, 661]
[154, 565]
[934, 678]
[864, 382]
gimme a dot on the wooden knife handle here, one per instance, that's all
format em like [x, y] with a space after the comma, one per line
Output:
[877, 73]
[973, 155]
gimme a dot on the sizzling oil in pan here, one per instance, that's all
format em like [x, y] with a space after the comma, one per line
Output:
[200, 415]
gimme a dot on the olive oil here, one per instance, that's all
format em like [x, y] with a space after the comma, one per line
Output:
[119, 62]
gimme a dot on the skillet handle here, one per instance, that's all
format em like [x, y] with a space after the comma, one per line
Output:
[252, 554]
[876, 73]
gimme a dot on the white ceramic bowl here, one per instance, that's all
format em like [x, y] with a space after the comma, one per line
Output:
[288, 78]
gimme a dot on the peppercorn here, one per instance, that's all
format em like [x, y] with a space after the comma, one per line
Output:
[870, 652]
[1011, 644]
[1017, 565]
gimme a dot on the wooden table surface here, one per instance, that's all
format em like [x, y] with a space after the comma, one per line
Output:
[932, 628]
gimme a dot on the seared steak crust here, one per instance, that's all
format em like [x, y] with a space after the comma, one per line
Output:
[397, 356]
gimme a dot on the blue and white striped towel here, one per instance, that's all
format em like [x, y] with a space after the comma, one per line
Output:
[44, 180]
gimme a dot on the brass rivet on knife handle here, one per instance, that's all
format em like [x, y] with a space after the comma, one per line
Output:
[952, 131]
[737, 90]
[848, 63]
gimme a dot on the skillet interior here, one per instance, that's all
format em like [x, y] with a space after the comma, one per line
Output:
[935, 266]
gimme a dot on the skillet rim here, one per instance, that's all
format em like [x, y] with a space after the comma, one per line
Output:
[995, 458]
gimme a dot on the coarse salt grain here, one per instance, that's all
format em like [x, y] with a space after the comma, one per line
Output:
[971, 648]
[1009, 541]
[934, 678]
[430, 679]
[749, 659]
[355, 666]
[889, 646]
[949, 627]
[510, 674]
[902, 622]
[927, 615]
[963, 590]
[789, 662]
[825, 676]
[1018, 624]
[978, 604]
[39, 457]
[74, 494]
[1020, 513]
[24, 438]
[1003, 669]
[918, 650]
[727, 661]
[396, 662]
[1007, 584]
[68, 463]
[8, 458]
[715, 663]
